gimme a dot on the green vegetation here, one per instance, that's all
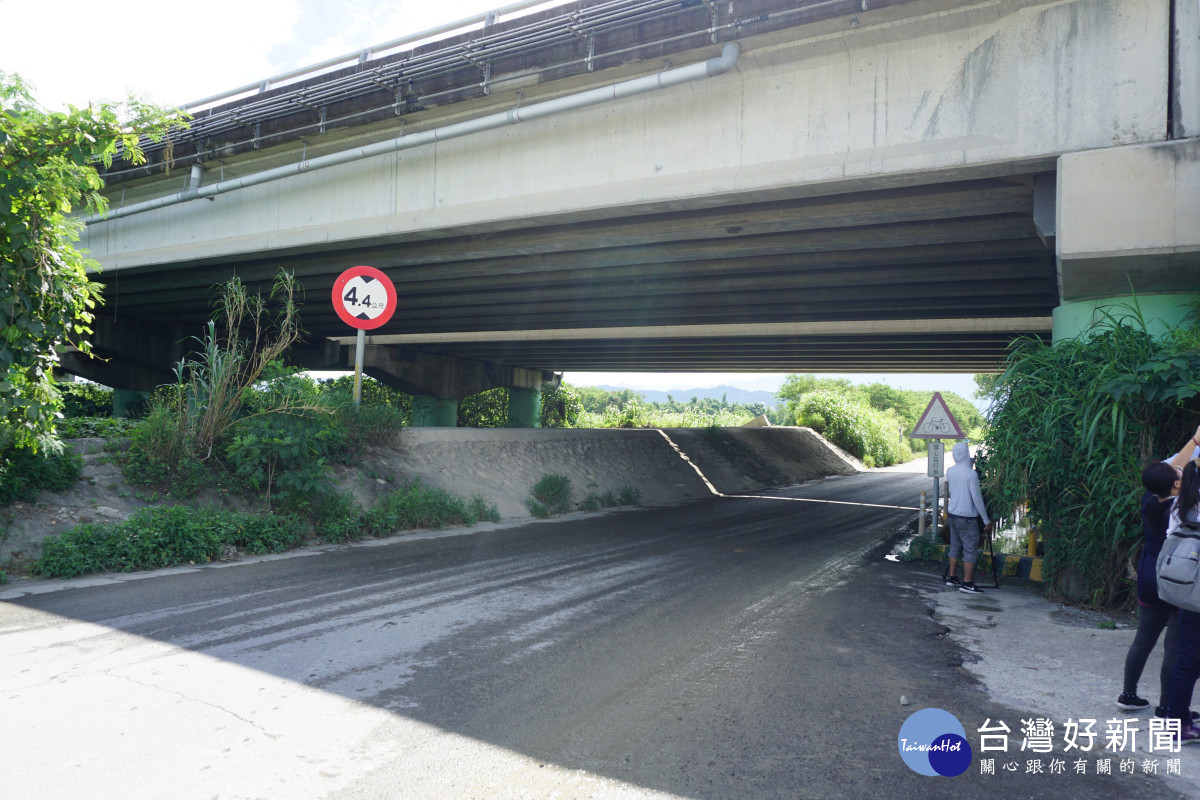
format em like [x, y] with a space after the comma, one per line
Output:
[549, 496]
[865, 432]
[628, 409]
[869, 421]
[47, 168]
[1072, 428]
[561, 408]
[626, 496]
[24, 472]
[162, 537]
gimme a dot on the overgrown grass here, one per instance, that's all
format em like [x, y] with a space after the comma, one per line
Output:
[162, 537]
[626, 496]
[1075, 424]
[864, 432]
[549, 496]
[638, 414]
[167, 536]
[24, 473]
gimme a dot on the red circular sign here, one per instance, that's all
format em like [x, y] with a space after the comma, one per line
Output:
[364, 298]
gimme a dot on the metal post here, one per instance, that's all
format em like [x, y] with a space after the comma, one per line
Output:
[921, 519]
[360, 346]
[937, 508]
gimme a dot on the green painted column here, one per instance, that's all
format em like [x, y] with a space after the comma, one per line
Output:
[128, 402]
[524, 408]
[1160, 311]
[434, 412]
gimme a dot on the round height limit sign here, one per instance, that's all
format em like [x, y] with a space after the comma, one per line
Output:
[364, 298]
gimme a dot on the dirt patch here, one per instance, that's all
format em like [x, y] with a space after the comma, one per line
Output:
[665, 467]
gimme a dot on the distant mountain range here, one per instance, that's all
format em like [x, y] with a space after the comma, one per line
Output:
[732, 394]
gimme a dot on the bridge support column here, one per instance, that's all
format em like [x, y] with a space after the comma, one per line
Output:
[1160, 311]
[434, 412]
[129, 402]
[1128, 231]
[524, 408]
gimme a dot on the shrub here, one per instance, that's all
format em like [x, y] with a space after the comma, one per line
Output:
[162, 537]
[370, 426]
[160, 454]
[284, 453]
[151, 538]
[24, 473]
[628, 496]
[95, 427]
[86, 400]
[1074, 424]
[862, 431]
[338, 518]
[414, 505]
[550, 495]
[487, 409]
[561, 407]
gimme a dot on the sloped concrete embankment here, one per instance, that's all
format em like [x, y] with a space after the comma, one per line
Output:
[502, 465]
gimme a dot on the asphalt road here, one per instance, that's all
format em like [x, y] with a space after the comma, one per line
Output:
[747, 647]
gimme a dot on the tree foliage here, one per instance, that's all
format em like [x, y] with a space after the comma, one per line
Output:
[865, 432]
[1073, 425]
[906, 405]
[47, 170]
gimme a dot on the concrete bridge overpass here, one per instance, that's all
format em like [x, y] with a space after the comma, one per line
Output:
[891, 185]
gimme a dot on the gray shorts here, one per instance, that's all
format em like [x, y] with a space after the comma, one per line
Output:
[964, 538]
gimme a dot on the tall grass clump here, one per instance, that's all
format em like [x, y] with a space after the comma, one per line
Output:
[415, 505]
[550, 495]
[865, 432]
[1072, 426]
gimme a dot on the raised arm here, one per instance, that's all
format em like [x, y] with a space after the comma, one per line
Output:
[1185, 453]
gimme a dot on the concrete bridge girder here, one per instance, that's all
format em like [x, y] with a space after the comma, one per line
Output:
[839, 173]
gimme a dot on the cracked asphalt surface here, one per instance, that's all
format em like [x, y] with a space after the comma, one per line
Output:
[739, 647]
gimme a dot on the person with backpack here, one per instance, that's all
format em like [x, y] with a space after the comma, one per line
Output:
[1161, 480]
[1186, 668]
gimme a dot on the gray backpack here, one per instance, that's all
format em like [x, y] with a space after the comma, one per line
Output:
[1179, 568]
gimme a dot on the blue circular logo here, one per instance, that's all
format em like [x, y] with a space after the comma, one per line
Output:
[933, 742]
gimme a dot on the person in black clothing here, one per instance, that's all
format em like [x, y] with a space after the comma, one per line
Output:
[1161, 479]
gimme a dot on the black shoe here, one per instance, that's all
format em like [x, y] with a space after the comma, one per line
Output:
[950, 580]
[1161, 713]
[1131, 702]
[970, 588]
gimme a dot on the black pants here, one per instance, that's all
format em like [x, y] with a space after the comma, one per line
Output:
[1151, 621]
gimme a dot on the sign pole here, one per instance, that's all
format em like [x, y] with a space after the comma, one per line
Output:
[365, 299]
[360, 346]
[936, 454]
[936, 424]
[937, 507]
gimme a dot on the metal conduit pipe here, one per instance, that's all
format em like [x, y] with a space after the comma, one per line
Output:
[673, 77]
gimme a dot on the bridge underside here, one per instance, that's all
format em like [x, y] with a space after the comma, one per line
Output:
[932, 277]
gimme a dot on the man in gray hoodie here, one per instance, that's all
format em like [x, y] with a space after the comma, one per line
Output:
[965, 512]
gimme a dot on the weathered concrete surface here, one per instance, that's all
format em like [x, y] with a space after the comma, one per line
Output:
[1129, 214]
[501, 465]
[939, 93]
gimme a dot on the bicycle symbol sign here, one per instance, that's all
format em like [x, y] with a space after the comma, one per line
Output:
[364, 297]
[937, 422]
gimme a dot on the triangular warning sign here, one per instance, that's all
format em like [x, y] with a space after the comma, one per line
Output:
[937, 422]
